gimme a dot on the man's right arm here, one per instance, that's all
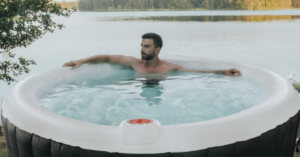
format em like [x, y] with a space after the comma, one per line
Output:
[115, 59]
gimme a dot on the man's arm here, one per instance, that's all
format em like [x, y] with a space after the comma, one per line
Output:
[115, 59]
[230, 72]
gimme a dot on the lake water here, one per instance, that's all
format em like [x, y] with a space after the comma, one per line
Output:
[271, 42]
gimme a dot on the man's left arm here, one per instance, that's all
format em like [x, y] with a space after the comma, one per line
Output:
[230, 72]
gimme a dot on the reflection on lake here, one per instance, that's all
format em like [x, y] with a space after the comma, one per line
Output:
[212, 18]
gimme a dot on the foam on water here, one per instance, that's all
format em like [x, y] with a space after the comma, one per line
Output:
[175, 98]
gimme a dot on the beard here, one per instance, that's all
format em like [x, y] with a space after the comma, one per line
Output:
[148, 57]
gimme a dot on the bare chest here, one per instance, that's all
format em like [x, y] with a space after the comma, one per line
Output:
[161, 69]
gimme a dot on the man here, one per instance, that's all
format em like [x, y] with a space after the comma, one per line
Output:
[150, 63]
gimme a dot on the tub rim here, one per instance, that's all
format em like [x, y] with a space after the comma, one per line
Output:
[174, 138]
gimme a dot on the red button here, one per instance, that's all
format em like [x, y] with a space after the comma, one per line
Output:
[139, 121]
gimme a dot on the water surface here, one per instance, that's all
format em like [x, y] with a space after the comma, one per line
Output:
[174, 98]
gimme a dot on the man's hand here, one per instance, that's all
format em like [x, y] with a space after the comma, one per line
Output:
[232, 72]
[73, 64]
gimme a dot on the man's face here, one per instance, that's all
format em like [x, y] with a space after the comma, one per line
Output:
[147, 49]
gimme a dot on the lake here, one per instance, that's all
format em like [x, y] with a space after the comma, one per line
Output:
[266, 39]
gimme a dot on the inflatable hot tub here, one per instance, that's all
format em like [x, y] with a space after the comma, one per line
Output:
[266, 130]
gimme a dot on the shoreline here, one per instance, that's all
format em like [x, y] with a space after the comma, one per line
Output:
[162, 10]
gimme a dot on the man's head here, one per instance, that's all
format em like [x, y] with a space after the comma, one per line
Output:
[151, 45]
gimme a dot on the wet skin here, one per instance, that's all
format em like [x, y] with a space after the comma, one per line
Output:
[149, 62]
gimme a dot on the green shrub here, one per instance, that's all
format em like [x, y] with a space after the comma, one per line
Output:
[297, 86]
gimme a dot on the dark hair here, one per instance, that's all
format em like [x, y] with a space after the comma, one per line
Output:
[157, 40]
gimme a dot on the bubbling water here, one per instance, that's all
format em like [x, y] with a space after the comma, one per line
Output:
[174, 98]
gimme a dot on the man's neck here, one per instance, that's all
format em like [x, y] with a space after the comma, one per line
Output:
[153, 62]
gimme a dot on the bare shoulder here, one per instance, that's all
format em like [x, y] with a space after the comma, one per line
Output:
[172, 66]
[131, 58]
[134, 60]
[122, 60]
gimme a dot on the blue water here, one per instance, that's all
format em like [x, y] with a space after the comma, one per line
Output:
[175, 98]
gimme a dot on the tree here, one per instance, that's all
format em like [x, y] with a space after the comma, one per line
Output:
[21, 23]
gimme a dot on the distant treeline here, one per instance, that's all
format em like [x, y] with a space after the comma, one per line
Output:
[296, 3]
[68, 5]
[210, 18]
[102, 5]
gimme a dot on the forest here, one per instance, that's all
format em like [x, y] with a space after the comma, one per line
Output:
[107, 5]
[68, 5]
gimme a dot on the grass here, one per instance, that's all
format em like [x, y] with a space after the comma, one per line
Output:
[3, 152]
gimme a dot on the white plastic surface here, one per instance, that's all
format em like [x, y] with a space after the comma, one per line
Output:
[282, 101]
[135, 134]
